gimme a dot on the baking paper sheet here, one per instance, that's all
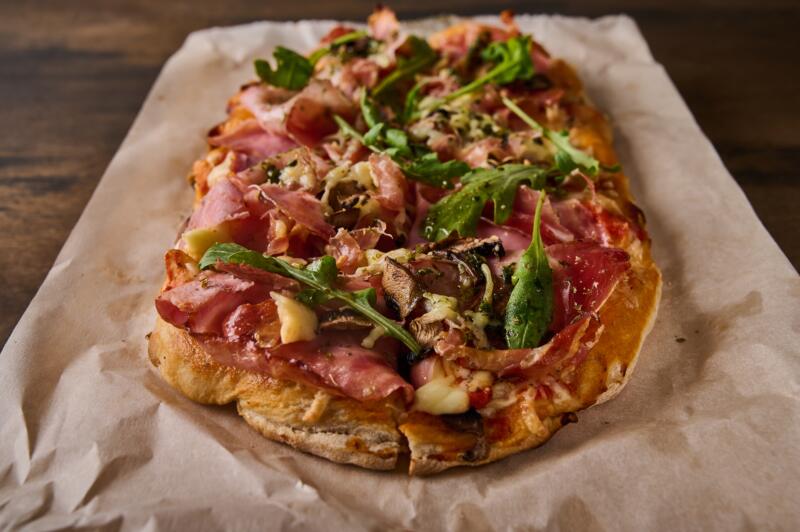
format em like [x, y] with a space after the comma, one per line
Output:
[705, 436]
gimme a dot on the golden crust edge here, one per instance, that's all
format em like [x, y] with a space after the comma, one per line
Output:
[358, 437]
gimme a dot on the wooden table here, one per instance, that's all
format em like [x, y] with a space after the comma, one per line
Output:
[74, 75]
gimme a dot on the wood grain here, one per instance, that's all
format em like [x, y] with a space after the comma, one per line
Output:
[74, 74]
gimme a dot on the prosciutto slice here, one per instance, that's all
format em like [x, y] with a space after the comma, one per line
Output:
[342, 364]
[223, 203]
[392, 185]
[566, 349]
[306, 117]
[348, 247]
[250, 138]
[335, 362]
[201, 305]
[584, 274]
[524, 210]
[383, 24]
[301, 206]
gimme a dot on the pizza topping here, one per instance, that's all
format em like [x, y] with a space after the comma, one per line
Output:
[301, 206]
[441, 396]
[259, 321]
[344, 319]
[383, 23]
[305, 117]
[402, 292]
[584, 275]
[202, 304]
[309, 115]
[319, 277]
[180, 268]
[562, 350]
[392, 186]
[530, 305]
[567, 157]
[348, 247]
[250, 138]
[512, 61]
[342, 364]
[223, 203]
[298, 322]
[460, 211]
[291, 72]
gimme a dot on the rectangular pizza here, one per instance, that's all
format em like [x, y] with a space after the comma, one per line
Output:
[406, 244]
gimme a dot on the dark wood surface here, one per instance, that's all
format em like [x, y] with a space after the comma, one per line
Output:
[74, 74]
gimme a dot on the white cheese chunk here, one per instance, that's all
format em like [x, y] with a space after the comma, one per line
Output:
[298, 322]
[440, 396]
[197, 241]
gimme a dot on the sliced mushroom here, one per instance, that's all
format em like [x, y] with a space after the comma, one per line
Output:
[345, 200]
[402, 292]
[344, 320]
[346, 218]
[487, 247]
[425, 333]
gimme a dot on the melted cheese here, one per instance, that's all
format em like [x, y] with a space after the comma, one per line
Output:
[198, 241]
[441, 396]
[298, 322]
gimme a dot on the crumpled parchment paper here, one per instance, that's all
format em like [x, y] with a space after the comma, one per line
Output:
[705, 436]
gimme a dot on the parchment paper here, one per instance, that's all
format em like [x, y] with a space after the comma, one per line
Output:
[705, 436]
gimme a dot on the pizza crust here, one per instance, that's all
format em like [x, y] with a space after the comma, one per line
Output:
[347, 432]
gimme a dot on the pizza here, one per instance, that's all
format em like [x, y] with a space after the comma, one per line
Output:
[408, 245]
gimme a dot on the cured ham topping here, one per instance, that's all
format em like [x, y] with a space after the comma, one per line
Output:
[522, 217]
[301, 206]
[392, 186]
[342, 364]
[348, 247]
[223, 203]
[201, 305]
[249, 137]
[584, 274]
[383, 24]
[306, 117]
[565, 349]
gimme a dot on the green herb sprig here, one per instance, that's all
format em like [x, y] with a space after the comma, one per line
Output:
[416, 161]
[567, 157]
[460, 211]
[318, 278]
[512, 60]
[293, 71]
[530, 305]
[421, 57]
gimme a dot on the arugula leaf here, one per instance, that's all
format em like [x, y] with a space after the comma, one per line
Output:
[461, 210]
[318, 277]
[530, 305]
[336, 43]
[567, 157]
[513, 62]
[515, 51]
[412, 101]
[416, 162]
[370, 112]
[421, 57]
[430, 170]
[292, 72]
